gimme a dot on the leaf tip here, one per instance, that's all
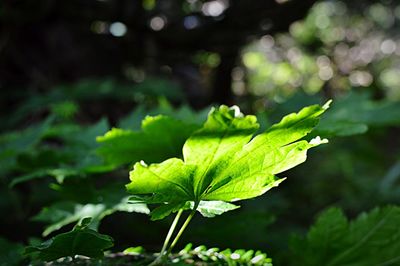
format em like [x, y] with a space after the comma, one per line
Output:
[317, 141]
[236, 111]
[327, 104]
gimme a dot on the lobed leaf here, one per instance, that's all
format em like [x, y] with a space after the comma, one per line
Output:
[223, 162]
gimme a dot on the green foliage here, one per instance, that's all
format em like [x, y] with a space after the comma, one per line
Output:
[220, 164]
[213, 256]
[355, 113]
[76, 158]
[214, 164]
[15, 144]
[161, 137]
[183, 113]
[371, 239]
[80, 241]
[349, 115]
[65, 110]
[65, 212]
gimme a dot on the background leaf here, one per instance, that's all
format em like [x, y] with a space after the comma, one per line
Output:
[80, 241]
[371, 239]
[161, 137]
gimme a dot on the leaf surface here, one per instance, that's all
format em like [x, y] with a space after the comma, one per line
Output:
[161, 137]
[80, 241]
[63, 213]
[371, 239]
[223, 162]
[213, 208]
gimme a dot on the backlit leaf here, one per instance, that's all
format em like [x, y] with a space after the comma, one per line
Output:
[223, 162]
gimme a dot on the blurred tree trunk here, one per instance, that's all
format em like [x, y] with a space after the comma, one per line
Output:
[222, 91]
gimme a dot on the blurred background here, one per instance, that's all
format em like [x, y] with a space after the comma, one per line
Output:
[72, 70]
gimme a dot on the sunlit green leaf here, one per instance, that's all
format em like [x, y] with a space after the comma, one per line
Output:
[223, 163]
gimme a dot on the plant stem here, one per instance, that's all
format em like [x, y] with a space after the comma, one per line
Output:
[171, 230]
[167, 239]
[183, 228]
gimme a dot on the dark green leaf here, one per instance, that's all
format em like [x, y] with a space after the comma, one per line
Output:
[355, 113]
[371, 239]
[80, 241]
[63, 213]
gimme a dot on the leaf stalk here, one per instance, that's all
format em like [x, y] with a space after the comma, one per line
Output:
[171, 230]
[185, 224]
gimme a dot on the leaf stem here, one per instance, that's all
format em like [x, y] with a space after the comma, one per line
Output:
[171, 230]
[178, 235]
[168, 238]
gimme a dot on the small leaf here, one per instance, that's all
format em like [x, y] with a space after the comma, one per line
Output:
[80, 241]
[134, 250]
[213, 208]
[166, 209]
[63, 213]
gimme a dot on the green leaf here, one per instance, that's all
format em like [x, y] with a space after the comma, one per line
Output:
[371, 239]
[223, 163]
[166, 209]
[357, 112]
[213, 208]
[15, 143]
[352, 114]
[134, 251]
[63, 213]
[161, 137]
[76, 158]
[206, 208]
[80, 241]
[58, 173]
[184, 113]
